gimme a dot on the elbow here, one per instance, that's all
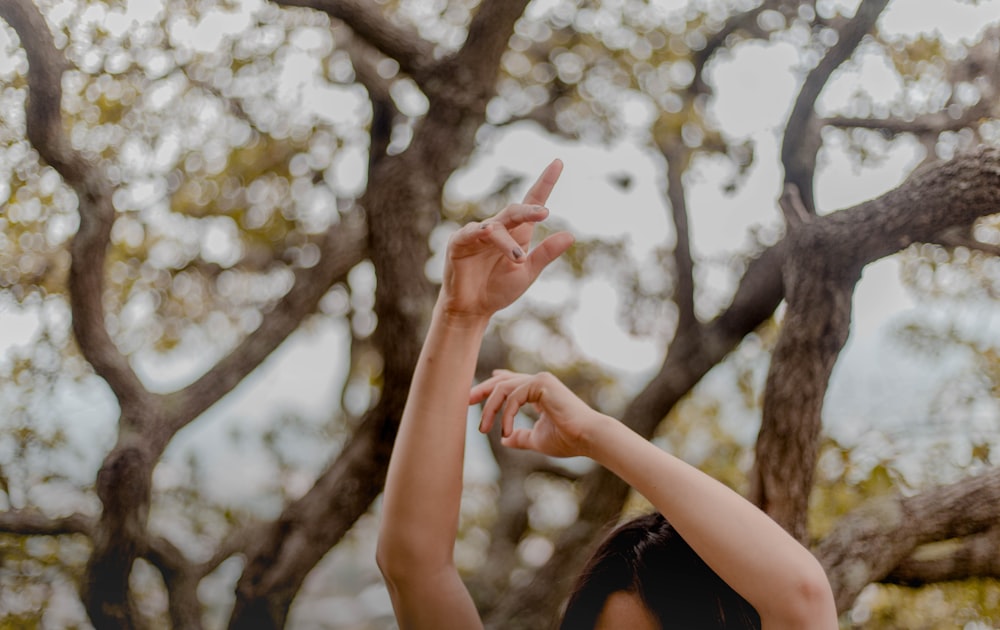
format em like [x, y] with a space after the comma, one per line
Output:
[388, 562]
[401, 562]
[811, 603]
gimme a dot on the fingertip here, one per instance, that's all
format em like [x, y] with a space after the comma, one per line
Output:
[475, 394]
[506, 425]
[563, 241]
[566, 237]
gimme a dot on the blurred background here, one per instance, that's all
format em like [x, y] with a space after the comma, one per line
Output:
[251, 150]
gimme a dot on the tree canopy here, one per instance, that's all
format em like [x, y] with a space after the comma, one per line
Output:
[188, 184]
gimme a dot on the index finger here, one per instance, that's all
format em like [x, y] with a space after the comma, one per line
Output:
[540, 190]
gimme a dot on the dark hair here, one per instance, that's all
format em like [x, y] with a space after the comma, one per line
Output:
[647, 557]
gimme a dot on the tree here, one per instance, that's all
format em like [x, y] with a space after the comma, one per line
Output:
[429, 90]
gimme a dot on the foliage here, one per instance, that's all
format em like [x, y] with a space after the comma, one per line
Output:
[237, 134]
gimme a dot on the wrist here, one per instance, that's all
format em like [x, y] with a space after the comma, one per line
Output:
[460, 320]
[601, 431]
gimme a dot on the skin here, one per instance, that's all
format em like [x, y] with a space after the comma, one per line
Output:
[486, 269]
[488, 266]
[780, 578]
[624, 610]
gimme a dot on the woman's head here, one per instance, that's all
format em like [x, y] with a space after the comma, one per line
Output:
[646, 561]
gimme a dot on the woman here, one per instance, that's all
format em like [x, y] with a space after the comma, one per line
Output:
[757, 567]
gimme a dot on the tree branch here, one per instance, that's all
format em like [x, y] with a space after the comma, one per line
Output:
[236, 541]
[283, 552]
[341, 250]
[181, 576]
[820, 272]
[384, 111]
[926, 125]
[976, 556]
[792, 208]
[868, 544]
[181, 582]
[961, 236]
[94, 191]
[489, 33]
[745, 22]
[34, 523]
[124, 481]
[678, 158]
[933, 199]
[801, 140]
[413, 53]
[402, 204]
[818, 291]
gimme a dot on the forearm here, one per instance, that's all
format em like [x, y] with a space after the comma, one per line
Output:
[755, 556]
[424, 484]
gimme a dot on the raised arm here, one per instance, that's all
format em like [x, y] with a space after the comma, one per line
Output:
[488, 266]
[779, 577]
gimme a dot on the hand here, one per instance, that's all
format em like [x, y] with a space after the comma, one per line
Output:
[489, 265]
[565, 423]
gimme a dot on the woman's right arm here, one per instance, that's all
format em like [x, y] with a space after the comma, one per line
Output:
[488, 265]
[779, 577]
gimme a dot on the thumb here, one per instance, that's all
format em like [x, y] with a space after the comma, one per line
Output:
[519, 439]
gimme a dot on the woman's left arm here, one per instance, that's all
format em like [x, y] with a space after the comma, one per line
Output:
[779, 577]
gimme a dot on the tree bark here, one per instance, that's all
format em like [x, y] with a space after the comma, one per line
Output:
[868, 544]
[824, 264]
[801, 140]
[402, 204]
[818, 293]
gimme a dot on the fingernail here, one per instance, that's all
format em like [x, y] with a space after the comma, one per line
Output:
[517, 253]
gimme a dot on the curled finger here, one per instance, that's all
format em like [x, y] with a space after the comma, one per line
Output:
[495, 401]
[502, 240]
[516, 399]
[481, 391]
[518, 213]
[471, 236]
